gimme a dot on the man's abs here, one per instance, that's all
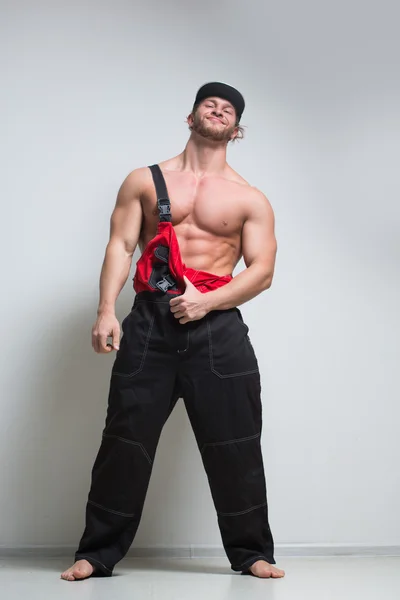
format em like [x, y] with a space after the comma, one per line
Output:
[207, 216]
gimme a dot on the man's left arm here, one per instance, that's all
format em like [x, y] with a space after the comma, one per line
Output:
[259, 248]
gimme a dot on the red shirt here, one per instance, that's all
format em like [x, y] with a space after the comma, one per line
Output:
[171, 261]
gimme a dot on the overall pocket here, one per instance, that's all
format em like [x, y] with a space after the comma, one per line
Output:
[136, 333]
[230, 350]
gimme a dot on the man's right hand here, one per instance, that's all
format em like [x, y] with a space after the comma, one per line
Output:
[106, 325]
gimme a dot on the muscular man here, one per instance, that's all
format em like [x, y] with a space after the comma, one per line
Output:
[194, 217]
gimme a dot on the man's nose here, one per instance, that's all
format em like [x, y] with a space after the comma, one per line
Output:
[217, 113]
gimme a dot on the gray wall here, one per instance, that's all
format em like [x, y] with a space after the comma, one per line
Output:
[92, 90]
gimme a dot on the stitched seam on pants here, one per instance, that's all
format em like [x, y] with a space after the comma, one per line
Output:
[240, 320]
[130, 442]
[210, 354]
[115, 512]
[250, 559]
[144, 353]
[243, 512]
[184, 350]
[251, 437]
[94, 559]
[233, 374]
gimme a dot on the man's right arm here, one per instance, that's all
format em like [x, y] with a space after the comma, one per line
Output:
[125, 226]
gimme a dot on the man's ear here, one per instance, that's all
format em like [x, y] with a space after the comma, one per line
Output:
[189, 121]
[235, 133]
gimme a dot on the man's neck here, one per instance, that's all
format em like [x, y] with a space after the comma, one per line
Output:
[204, 157]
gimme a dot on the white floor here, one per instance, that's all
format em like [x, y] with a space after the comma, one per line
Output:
[336, 578]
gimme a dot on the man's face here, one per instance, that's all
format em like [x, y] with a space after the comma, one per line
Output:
[215, 118]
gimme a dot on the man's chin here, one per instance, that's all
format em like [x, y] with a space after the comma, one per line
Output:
[210, 134]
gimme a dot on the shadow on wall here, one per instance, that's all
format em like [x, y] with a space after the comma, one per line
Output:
[60, 429]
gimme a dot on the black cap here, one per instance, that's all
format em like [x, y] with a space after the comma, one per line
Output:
[222, 90]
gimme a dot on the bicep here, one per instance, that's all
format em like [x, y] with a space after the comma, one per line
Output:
[258, 234]
[126, 219]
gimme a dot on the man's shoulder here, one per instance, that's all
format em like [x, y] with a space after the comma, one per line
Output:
[139, 173]
[251, 190]
[255, 199]
[138, 177]
[135, 184]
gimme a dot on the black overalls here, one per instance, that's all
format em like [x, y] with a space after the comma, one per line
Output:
[211, 364]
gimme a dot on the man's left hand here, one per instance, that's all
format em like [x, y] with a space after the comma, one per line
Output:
[191, 306]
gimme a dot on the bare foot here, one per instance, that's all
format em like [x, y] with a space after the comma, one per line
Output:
[80, 570]
[263, 569]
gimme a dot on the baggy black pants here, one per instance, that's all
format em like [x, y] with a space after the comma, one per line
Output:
[211, 364]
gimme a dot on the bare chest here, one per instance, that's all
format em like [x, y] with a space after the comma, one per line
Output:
[210, 208]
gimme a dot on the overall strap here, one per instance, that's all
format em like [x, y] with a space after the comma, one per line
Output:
[163, 201]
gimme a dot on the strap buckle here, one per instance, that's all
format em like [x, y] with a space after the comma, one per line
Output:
[164, 206]
[165, 283]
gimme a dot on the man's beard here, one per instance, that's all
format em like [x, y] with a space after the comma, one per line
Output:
[205, 128]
